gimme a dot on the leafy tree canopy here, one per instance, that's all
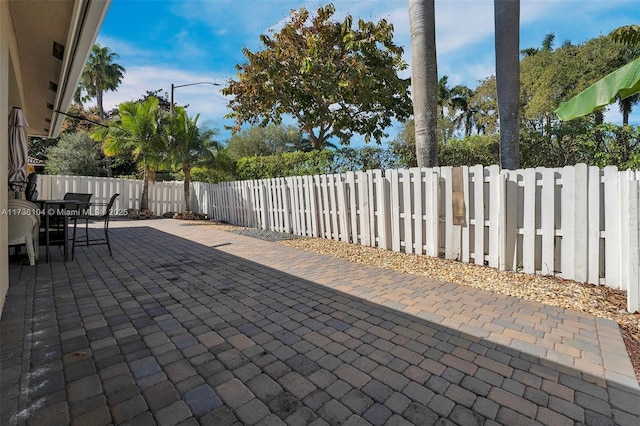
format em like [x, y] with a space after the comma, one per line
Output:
[333, 78]
[267, 140]
[164, 103]
[364, 158]
[76, 154]
[78, 118]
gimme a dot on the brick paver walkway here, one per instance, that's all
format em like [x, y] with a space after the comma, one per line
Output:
[186, 325]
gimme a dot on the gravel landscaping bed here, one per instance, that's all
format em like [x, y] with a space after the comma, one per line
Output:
[599, 301]
[260, 234]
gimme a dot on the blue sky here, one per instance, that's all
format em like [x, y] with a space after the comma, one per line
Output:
[186, 41]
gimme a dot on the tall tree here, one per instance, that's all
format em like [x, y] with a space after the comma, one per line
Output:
[333, 79]
[484, 104]
[507, 33]
[424, 81]
[626, 107]
[101, 74]
[460, 101]
[189, 146]
[137, 129]
[628, 36]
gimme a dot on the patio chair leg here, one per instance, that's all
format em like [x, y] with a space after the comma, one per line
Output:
[73, 243]
[106, 237]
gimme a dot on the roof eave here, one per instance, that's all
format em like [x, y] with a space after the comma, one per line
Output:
[88, 16]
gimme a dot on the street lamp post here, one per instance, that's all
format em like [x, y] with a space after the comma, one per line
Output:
[173, 87]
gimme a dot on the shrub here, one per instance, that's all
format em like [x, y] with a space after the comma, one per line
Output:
[286, 164]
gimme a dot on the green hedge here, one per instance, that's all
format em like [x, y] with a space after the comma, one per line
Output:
[285, 164]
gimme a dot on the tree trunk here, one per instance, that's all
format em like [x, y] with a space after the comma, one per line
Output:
[507, 30]
[626, 106]
[99, 102]
[186, 168]
[99, 99]
[599, 137]
[424, 80]
[108, 165]
[144, 201]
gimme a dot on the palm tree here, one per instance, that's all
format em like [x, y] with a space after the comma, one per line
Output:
[628, 35]
[424, 80]
[101, 74]
[444, 94]
[460, 100]
[547, 46]
[507, 29]
[137, 129]
[626, 107]
[189, 146]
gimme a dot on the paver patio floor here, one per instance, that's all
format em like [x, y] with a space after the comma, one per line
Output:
[187, 325]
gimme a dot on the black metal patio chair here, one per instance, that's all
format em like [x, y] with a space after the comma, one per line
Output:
[103, 216]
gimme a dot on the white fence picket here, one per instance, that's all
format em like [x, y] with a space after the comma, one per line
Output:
[407, 214]
[577, 222]
[529, 222]
[432, 212]
[418, 216]
[335, 234]
[395, 210]
[547, 221]
[633, 243]
[479, 249]
[594, 207]
[496, 205]
[363, 211]
[350, 178]
[465, 255]
[382, 210]
[446, 198]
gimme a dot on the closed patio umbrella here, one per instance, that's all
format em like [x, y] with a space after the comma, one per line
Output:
[17, 151]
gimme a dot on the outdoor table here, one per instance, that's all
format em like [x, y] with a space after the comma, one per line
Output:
[59, 209]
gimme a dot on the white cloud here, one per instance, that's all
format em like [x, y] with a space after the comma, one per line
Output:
[125, 49]
[462, 24]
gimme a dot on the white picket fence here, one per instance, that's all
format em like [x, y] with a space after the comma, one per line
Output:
[576, 222]
[163, 196]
